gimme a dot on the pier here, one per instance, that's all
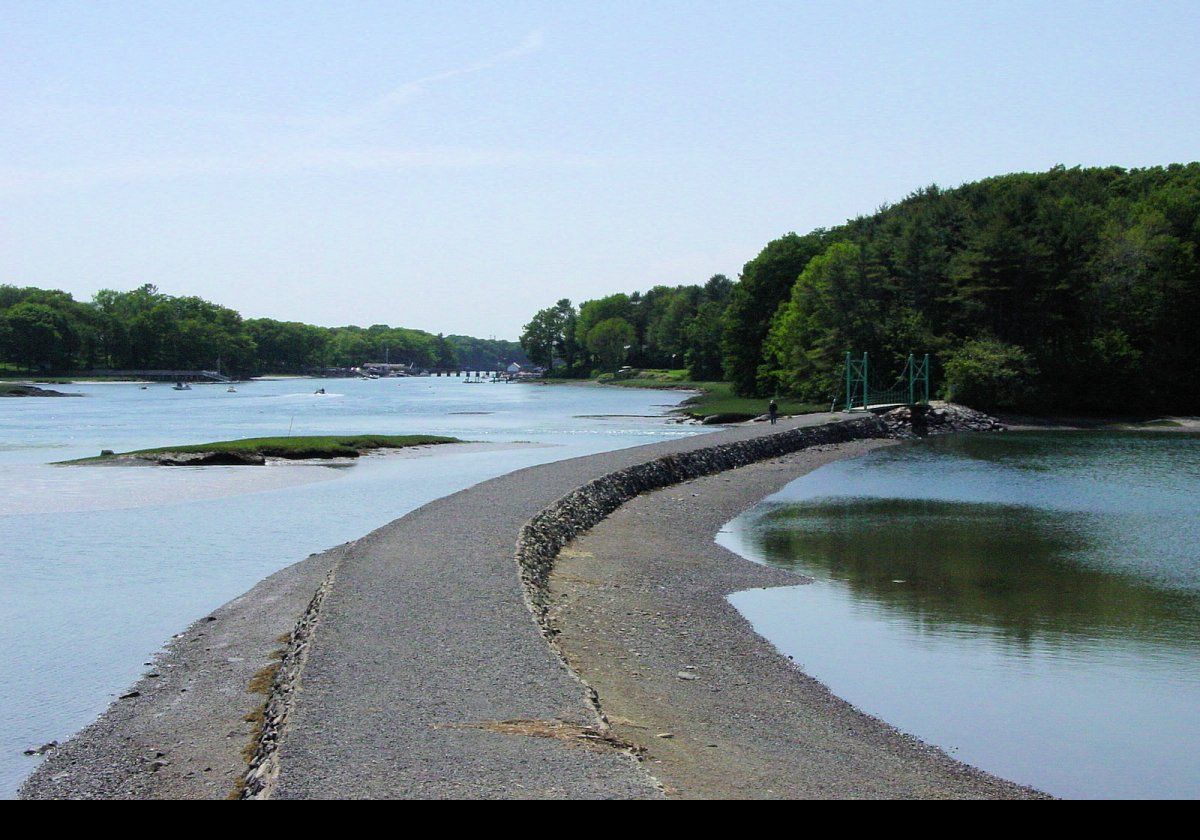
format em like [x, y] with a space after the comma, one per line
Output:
[470, 373]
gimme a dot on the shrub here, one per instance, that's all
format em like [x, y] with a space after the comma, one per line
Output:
[986, 373]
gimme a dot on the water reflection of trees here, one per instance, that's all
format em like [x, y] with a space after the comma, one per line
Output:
[1004, 569]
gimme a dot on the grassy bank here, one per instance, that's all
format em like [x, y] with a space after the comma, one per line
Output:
[715, 398]
[292, 448]
[718, 398]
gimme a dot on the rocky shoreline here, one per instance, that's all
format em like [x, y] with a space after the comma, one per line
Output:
[179, 732]
[181, 459]
[938, 418]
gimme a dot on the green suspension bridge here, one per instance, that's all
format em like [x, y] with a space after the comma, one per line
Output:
[911, 387]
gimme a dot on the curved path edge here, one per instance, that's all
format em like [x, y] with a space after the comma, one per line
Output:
[179, 731]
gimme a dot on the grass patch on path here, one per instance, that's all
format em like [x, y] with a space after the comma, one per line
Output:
[718, 398]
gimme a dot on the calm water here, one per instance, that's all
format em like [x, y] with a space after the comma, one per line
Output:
[100, 565]
[1029, 602]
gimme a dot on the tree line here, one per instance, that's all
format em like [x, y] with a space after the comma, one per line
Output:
[1073, 289]
[49, 331]
[666, 327]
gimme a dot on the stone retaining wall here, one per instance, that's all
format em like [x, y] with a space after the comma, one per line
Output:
[544, 536]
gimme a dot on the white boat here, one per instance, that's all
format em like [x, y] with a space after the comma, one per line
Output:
[182, 386]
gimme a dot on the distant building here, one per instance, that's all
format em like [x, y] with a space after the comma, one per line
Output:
[514, 368]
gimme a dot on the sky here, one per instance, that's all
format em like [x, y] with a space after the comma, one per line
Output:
[454, 167]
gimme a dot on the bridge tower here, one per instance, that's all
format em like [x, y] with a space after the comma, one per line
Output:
[918, 379]
[856, 382]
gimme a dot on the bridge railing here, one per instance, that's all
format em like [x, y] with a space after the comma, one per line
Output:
[911, 387]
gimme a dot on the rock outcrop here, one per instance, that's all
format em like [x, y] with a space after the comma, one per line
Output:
[938, 418]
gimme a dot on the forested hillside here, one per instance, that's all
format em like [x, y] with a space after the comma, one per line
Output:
[49, 331]
[1073, 289]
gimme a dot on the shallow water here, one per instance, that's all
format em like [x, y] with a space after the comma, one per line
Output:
[99, 565]
[1029, 602]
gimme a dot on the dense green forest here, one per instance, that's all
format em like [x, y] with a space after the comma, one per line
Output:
[1073, 289]
[49, 331]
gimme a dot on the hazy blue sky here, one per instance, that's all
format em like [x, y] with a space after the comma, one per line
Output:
[454, 167]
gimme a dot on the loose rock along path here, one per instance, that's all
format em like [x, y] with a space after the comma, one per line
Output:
[179, 732]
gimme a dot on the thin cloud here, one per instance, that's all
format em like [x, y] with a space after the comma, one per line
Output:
[383, 106]
[317, 150]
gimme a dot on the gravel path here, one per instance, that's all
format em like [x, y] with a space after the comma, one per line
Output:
[426, 654]
[639, 603]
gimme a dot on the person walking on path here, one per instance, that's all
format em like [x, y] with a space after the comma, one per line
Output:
[773, 411]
